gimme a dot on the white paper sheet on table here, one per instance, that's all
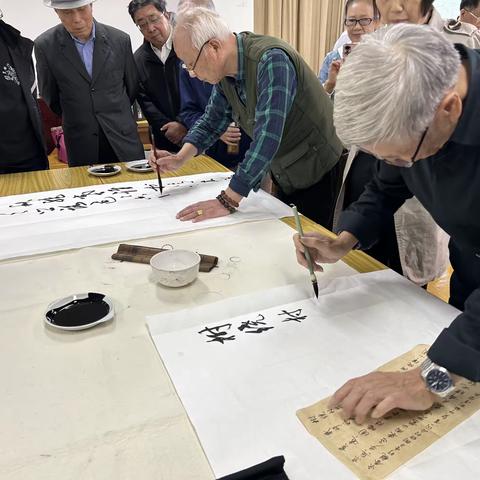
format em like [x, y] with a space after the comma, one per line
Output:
[242, 395]
[101, 214]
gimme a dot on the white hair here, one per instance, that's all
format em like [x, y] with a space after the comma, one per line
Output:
[201, 25]
[188, 4]
[392, 83]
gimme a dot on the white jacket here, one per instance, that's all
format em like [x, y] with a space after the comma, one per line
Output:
[456, 31]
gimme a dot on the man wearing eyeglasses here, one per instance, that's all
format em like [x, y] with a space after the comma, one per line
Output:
[87, 75]
[263, 84]
[158, 67]
[423, 124]
[470, 12]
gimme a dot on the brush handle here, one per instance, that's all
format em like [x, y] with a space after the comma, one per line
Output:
[152, 142]
[300, 232]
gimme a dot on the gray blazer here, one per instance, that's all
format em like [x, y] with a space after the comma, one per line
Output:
[89, 103]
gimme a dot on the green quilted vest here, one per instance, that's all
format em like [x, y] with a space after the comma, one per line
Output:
[309, 146]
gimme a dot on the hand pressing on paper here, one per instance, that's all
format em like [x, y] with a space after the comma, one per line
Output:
[376, 394]
[174, 131]
[322, 249]
[208, 209]
[202, 211]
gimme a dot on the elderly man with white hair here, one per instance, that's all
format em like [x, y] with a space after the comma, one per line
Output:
[411, 98]
[264, 85]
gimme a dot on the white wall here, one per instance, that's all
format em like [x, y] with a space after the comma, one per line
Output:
[31, 17]
[448, 8]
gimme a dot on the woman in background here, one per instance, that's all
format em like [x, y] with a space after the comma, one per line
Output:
[361, 17]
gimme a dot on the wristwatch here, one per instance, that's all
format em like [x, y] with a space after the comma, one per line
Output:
[437, 379]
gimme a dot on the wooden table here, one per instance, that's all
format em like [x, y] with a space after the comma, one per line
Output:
[98, 404]
[57, 179]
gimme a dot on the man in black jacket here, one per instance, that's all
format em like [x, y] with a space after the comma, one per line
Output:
[87, 74]
[423, 126]
[21, 137]
[158, 66]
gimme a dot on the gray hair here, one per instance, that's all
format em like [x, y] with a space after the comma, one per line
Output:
[392, 83]
[188, 4]
[201, 25]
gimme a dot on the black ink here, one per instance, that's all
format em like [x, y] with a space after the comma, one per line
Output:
[152, 186]
[105, 201]
[42, 211]
[88, 193]
[104, 169]
[27, 203]
[121, 190]
[217, 334]
[80, 312]
[254, 326]
[76, 206]
[57, 199]
[295, 316]
[14, 213]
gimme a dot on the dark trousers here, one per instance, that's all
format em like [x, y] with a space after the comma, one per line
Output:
[39, 162]
[105, 150]
[318, 201]
[163, 143]
[466, 274]
[386, 249]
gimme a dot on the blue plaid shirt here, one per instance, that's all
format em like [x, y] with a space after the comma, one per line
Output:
[277, 87]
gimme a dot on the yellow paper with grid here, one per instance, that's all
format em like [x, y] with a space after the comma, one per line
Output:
[377, 448]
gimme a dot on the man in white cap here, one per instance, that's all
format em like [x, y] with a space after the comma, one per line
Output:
[87, 74]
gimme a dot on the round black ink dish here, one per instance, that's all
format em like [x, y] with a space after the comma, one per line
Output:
[79, 311]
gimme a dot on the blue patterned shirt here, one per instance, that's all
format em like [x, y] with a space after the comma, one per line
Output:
[277, 87]
[329, 59]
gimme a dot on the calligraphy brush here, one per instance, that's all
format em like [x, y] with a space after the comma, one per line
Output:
[313, 278]
[152, 142]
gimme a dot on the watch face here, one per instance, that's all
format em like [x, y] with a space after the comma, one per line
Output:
[438, 380]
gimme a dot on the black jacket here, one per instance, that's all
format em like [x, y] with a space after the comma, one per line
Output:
[20, 50]
[159, 93]
[448, 186]
[88, 104]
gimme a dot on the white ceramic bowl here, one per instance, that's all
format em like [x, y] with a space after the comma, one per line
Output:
[175, 268]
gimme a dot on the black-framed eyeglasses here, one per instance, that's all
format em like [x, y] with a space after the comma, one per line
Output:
[363, 22]
[398, 162]
[402, 163]
[151, 20]
[419, 146]
[192, 68]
